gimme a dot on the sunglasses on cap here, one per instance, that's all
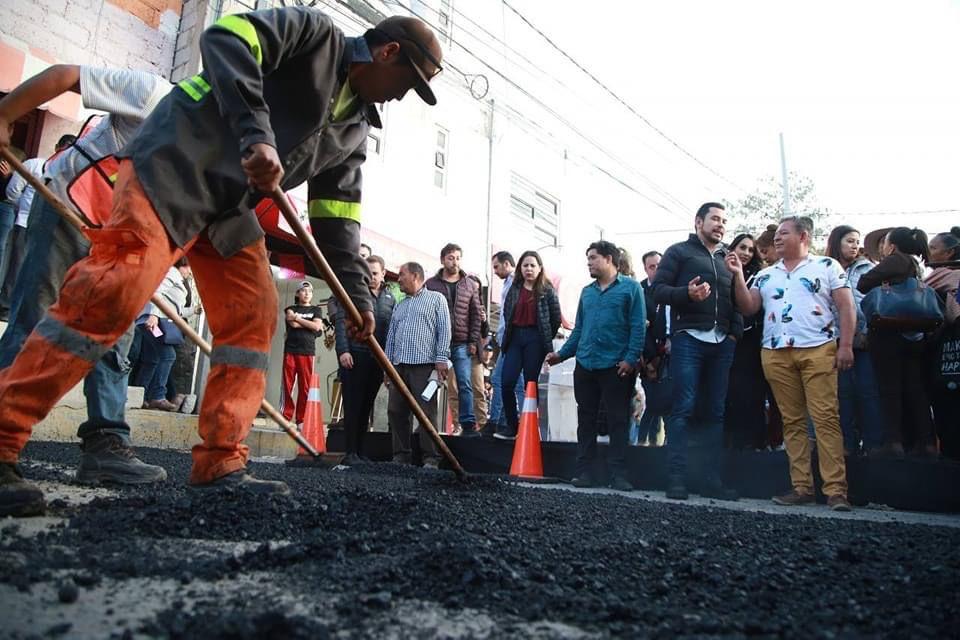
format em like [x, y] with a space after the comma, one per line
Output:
[426, 54]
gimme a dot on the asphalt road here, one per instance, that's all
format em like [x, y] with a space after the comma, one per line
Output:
[396, 552]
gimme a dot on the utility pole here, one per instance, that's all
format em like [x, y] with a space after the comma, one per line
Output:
[786, 184]
[489, 248]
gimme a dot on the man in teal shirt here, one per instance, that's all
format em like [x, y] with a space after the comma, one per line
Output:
[607, 342]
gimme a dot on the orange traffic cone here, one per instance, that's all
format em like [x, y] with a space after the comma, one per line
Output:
[313, 419]
[527, 458]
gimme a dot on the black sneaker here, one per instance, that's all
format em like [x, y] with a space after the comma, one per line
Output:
[582, 482]
[243, 481]
[505, 433]
[17, 496]
[351, 459]
[470, 431]
[677, 489]
[620, 483]
[718, 491]
[107, 458]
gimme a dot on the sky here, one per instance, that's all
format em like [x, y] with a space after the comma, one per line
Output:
[866, 94]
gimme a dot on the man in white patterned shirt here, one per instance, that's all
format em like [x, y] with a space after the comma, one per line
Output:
[418, 345]
[800, 353]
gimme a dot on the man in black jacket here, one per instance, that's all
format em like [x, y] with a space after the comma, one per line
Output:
[284, 98]
[704, 326]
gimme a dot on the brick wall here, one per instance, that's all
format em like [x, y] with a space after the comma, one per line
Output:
[138, 34]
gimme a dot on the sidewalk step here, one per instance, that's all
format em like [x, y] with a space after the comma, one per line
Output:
[161, 429]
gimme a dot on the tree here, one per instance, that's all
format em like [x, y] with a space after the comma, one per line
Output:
[765, 206]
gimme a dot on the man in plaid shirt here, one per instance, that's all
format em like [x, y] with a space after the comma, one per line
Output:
[418, 345]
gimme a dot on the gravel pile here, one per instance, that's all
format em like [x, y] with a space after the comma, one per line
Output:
[389, 551]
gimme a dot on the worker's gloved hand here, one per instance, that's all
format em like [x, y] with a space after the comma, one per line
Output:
[263, 168]
[360, 334]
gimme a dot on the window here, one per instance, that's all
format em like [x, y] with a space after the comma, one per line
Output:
[445, 20]
[440, 159]
[536, 208]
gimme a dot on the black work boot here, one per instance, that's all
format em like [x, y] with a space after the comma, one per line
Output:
[17, 496]
[107, 458]
[677, 488]
[242, 481]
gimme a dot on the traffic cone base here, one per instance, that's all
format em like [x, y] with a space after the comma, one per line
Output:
[527, 458]
[313, 431]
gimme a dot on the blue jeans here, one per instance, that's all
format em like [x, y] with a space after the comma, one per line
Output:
[496, 400]
[156, 361]
[861, 417]
[698, 369]
[52, 248]
[462, 367]
[7, 216]
[525, 355]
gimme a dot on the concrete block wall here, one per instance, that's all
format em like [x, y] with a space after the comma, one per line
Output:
[186, 58]
[139, 34]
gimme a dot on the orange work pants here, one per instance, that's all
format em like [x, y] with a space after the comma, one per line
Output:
[103, 294]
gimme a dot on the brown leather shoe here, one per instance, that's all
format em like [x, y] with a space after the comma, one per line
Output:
[794, 499]
[839, 503]
[178, 400]
[160, 405]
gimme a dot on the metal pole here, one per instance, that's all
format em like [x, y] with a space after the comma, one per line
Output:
[489, 247]
[786, 183]
[71, 217]
[326, 272]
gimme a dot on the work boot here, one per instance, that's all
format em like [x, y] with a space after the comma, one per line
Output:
[677, 488]
[431, 463]
[177, 400]
[18, 497]
[241, 480]
[620, 483]
[106, 458]
[160, 405]
[794, 499]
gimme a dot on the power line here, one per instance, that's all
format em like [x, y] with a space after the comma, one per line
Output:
[537, 71]
[546, 108]
[895, 213]
[623, 102]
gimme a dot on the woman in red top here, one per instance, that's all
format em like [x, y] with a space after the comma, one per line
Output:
[532, 313]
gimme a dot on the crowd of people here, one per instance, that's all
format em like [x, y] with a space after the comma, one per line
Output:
[170, 179]
[759, 343]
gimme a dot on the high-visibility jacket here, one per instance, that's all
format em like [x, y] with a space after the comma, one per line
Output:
[269, 77]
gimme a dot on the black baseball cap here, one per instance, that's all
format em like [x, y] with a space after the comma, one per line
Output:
[420, 46]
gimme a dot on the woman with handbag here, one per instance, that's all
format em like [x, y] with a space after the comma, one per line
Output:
[898, 352]
[860, 417]
[532, 313]
[159, 337]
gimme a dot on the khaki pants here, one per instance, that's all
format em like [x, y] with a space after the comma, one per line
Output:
[805, 380]
[480, 404]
